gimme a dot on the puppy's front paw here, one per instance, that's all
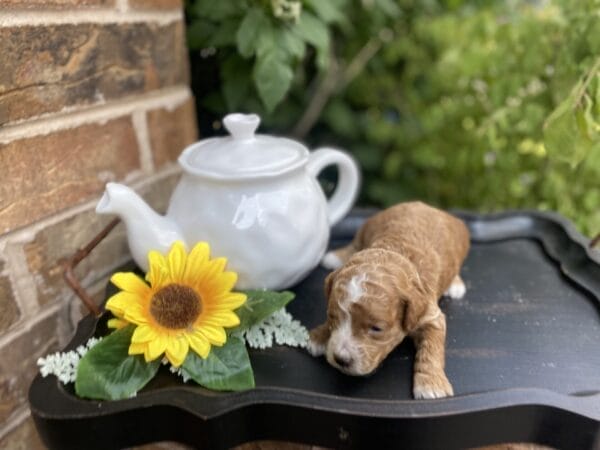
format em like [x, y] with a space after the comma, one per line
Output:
[331, 261]
[427, 386]
[315, 348]
[317, 340]
[457, 289]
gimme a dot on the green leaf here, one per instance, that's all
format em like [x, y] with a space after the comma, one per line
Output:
[273, 79]
[259, 306]
[568, 131]
[341, 119]
[226, 368]
[224, 35]
[199, 34]
[290, 43]
[236, 82]
[327, 11]
[108, 372]
[249, 30]
[315, 32]
[266, 41]
[312, 30]
[389, 7]
[218, 10]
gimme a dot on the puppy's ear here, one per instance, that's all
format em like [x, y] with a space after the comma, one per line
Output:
[329, 283]
[413, 309]
[414, 305]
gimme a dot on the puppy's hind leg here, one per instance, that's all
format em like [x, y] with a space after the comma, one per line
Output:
[457, 289]
[338, 257]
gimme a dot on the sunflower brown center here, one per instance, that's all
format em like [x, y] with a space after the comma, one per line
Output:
[175, 306]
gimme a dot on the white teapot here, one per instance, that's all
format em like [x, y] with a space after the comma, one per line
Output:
[254, 198]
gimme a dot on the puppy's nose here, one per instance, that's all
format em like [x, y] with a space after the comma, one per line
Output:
[342, 361]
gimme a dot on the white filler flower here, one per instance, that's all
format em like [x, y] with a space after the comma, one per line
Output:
[64, 364]
[279, 327]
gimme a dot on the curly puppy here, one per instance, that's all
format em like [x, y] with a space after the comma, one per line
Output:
[386, 286]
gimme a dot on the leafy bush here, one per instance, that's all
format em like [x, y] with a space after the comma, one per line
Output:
[461, 103]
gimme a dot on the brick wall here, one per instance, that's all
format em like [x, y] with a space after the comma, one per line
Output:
[90, 91]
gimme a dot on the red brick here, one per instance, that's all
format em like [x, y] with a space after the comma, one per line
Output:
[18, 363]
[171, 131]
[54, 4]
[47, 68]
[9, 311]
[156, 4]
[56, 242]
[23, 437]
[45, 174]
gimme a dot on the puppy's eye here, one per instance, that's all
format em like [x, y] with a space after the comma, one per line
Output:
[375, 329]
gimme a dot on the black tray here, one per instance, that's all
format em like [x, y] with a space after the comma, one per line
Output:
[523, 355]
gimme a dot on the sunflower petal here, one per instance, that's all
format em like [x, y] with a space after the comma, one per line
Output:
[176, 260]
[120, 302]
[218, 265]
[158, 269]
[137, 349]
[196, 261]
[156, 347]
[177, 350]
[199, 344]
[215, 334]
[130, 282]
[212, 269]
[117, 323]
[226, 281]
[136, 314]
[144, 333]
[221, 319]
[229, 301]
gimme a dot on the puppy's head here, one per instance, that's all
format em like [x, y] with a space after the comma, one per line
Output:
[370, 311]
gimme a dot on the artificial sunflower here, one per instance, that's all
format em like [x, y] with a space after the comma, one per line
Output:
[186, 304]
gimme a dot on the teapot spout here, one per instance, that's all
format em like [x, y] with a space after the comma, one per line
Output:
[146, 230]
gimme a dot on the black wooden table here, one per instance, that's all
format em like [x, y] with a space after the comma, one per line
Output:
[523, 355]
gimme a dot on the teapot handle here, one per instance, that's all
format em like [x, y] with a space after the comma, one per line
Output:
[348, 180]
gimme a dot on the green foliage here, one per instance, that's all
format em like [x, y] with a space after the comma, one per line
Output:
[259, 306]
[226, 368]
[462, 103]
[268, 39]
[108, 372]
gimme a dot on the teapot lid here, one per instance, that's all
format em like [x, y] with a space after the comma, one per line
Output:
[243, 154]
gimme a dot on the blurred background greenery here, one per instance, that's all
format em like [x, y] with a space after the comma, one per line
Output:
[472, 104]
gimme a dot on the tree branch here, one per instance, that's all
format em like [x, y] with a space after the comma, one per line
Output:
[334, 81]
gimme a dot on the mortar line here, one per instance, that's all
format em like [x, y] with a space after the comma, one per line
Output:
[140, 125]
[28, 233]
[16, 419]
[22, 280]
[97, 16]
[122, 5]
[25, 326]
[24, 286]
[170, 97]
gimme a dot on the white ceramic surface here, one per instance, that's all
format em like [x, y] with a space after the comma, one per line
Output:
[254, 198]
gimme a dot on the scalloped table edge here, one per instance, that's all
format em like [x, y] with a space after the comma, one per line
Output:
[530, 404]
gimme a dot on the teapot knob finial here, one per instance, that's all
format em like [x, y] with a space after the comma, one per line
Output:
[241, 126]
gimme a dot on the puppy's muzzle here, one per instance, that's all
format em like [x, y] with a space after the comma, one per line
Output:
[343, 361]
